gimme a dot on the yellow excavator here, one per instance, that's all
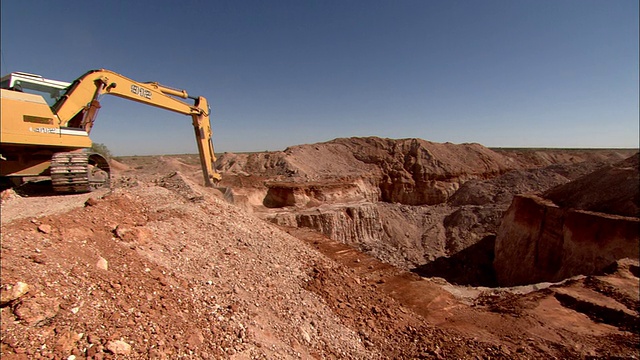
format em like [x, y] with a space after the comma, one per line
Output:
[45, 126]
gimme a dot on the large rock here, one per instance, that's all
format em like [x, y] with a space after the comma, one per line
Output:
[539, 241]
[36, 311]
[118, 347]
[9, 293]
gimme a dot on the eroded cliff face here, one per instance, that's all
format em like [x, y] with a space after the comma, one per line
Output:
[342, 223]
[366, 226]
[403, 235]
[539, 241]
[419, 172]
[356, 224]
[405, 171]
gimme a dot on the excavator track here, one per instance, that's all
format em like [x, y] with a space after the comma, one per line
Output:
[70, 172]
[78, 172]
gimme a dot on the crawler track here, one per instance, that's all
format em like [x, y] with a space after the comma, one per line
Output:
[78, 172]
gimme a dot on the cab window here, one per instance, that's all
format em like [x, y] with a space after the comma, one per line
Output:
[50, 94]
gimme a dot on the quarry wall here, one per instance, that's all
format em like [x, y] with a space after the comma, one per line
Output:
[538, 241]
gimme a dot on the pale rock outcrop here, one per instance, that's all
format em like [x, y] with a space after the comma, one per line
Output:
[366, 226]
[343, 223]
[282, 194]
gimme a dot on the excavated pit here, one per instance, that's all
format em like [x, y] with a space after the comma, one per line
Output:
[434, 209]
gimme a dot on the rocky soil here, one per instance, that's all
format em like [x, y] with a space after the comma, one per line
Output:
[160, 267]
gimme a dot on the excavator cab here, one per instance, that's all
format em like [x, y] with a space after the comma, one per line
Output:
[31, 132]
[50, 90]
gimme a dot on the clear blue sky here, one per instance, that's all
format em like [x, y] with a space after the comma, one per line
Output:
[509, 73]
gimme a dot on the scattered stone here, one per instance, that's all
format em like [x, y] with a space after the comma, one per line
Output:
[91, 202]
[92, 350]
[38, 258]
[137, 235]
[92, 339]
[195, 339]
[10, 293]
[67, 342]
[37, 311]
[102, 264]
[157, 354]
[305, 335]
[118, 347]
[45, 228]
[121, 231]
[8, 195]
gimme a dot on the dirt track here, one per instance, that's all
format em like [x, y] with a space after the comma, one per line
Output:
[163, 268]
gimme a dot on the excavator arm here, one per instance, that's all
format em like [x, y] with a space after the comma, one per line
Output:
[79, 107]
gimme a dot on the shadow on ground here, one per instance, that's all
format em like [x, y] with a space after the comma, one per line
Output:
[35, 189]
[472, 266]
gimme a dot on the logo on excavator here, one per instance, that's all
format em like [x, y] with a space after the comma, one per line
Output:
[44, 130]
[141, 91]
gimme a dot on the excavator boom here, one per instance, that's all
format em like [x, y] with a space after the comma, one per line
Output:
[87, 89]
